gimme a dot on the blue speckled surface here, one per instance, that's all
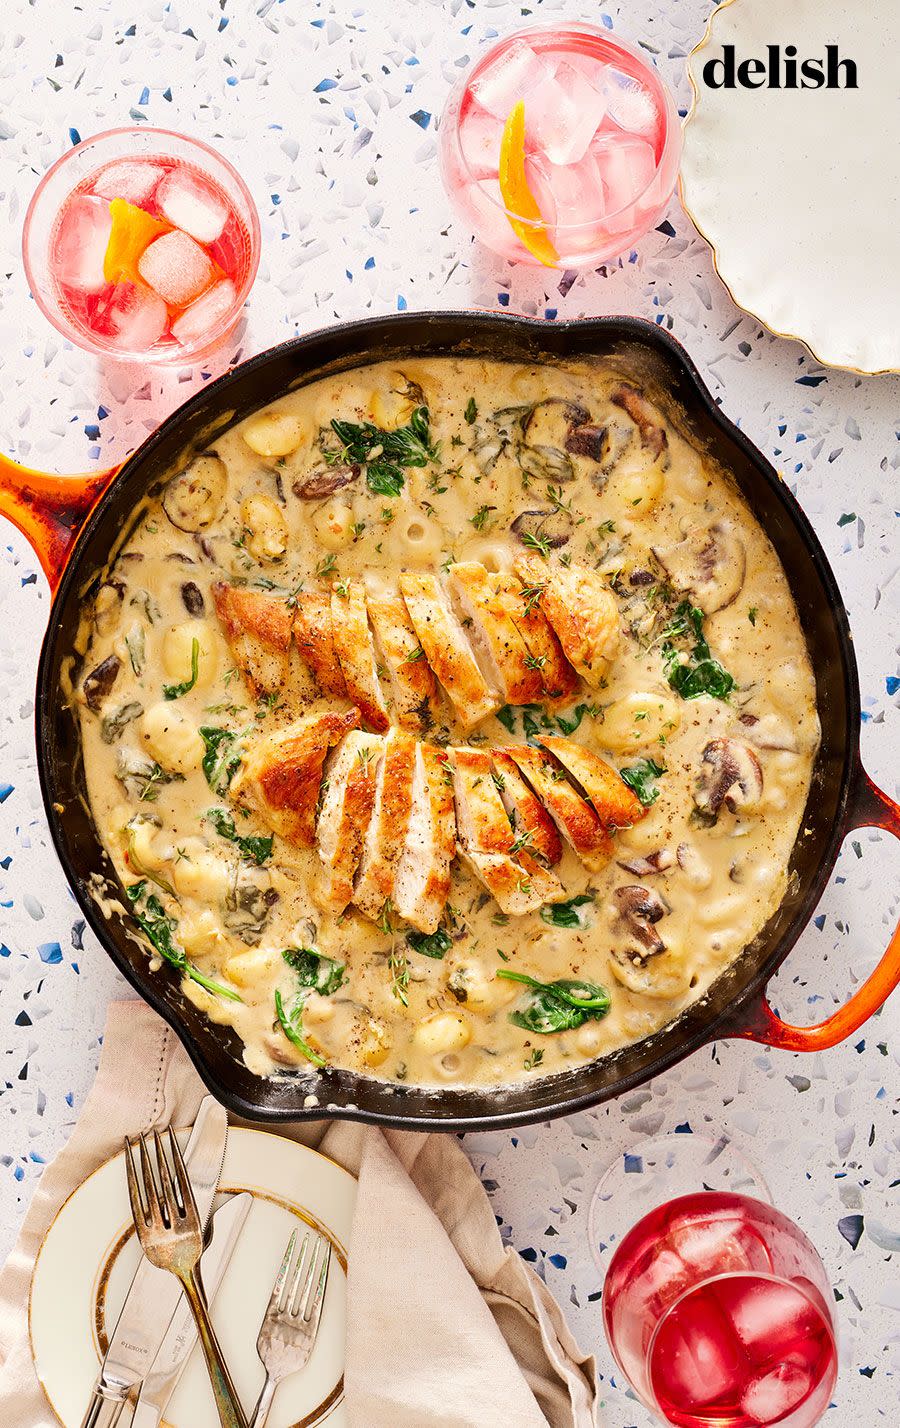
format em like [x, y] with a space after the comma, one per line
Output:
[330, 113]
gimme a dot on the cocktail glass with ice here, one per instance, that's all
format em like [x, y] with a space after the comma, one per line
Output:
[142, 244]
[602, 140]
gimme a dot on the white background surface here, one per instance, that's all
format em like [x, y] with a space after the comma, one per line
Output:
[355, 221]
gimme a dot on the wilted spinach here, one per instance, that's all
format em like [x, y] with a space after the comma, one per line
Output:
[409, 445]
[255, 847]
[160, 930]
[315, 972]
[220, 762]
[430, 944]
[640, 777]
[701, 673]
[557, 1006]
[563, 914]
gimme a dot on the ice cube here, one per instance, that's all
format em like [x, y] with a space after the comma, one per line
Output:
[134, 319]
[720, 1246]
[80, 243]
[627, 165]
[479, 139]
[176, 267]
[771, 1397]
[510, 79]
[203, 315]
[696, 1354]
[189, 203]
[562, 115]
[629, 103]
[577, 191]
[131, 179]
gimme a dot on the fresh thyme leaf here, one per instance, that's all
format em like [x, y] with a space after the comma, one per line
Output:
[536, 542]
[175, 691]
[535, 661]
[481, 517]
[315, 972]
[639, 777]
[399, 967]
[326, 565]
[292, 1026]
[531, 594]
[430, 944]
[471, 411]
[699, 674]
[752, 614]
[521, 842]
[160, 932]
[414, 655]
[534, 1058]
[557, 1006]
[563, 914]
[255, 847]
[220, 762]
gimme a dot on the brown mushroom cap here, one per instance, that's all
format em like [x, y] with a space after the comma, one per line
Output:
[324, 482]
[644, 416]
[730, 775]
[637, 910]
[710, 562]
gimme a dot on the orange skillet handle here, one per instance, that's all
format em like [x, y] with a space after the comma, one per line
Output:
[49, 510]
[870, 809]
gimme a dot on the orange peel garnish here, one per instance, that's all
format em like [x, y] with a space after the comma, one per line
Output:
[132, 230]
[529, 225]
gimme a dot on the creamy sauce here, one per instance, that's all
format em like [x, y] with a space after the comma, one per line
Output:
[400, 1014]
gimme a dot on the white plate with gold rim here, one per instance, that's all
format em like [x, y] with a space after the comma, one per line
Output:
[798, 190]
[90, 1253]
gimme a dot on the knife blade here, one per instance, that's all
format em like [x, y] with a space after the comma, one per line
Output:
[153, 1296]
[181, 1335]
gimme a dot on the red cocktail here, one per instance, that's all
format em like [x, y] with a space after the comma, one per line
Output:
[142, 244]
[718, 1310]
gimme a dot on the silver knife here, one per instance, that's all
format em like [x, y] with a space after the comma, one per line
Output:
[154, 1293]
[181, 1335]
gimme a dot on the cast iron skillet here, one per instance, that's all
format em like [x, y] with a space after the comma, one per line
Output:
[74, 524]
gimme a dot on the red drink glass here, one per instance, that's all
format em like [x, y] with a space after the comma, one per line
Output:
[602, 141]
[182, 298]
[718, 1311]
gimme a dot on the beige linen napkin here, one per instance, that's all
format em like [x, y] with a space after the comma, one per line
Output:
[444, 1326]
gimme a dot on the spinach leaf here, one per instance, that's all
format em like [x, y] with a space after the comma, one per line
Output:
[430, 944]
[563, 914]
[639, 777]
[701, 673]
[220, 762]
[315, 972]
[568, 726]
[384, 479]
[160, 932]
[292, 1026]
[557, 1006]
[507, 718]
[409, 445]
[254, 847]
[175, 691]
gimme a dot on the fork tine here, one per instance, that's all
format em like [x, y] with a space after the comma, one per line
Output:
[315, 1308]
[278, 1286]
[138, 1213]
[303, 1298]
[156, 1216]
[170, 1207]
[188, 1205]
[289, 1307]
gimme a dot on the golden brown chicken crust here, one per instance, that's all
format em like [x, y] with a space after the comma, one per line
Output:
[446, 649]
[616, 805]
[410, 677]
[388, 825]
[258, 630]
[281, 773]
[582, 611]
[344, 815]
[356, 653]
[528, 814]
[314, 639]
[480, 594]
[559, 681]
[422, 883]
[574, 818]
[487, 842]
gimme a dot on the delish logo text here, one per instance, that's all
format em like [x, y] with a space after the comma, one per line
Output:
[780, 70]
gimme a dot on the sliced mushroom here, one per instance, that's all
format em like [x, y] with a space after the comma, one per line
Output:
[644, 416]
[324, 481]
[658, 862]
[97, 685]
[590, 441]
[554, 527]
[638, 909]
[730, 775]
[193, 499]
[710, 562]
[487, 448]
[549, 422]
[192, 598]
[545, 463]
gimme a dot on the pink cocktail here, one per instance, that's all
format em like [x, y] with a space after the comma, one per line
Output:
[142, 244]
[602, 142]
[718, 1310]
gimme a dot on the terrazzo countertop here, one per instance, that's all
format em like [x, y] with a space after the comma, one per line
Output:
[329, 110]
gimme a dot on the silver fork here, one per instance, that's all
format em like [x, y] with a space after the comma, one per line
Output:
[288, 1330]
[171, 1237]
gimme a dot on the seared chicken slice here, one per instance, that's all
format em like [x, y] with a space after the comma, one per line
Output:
[446, 648]
[314, 639]
[575, 819]
[386, 834]
[416, 704]
[348, 797]
[558, 679]
[356, 653]
[501, 650]
[487, 842]
[582, 611]
[281, 773]
[422, 879]
[528, 816]
[258, 630]
[616, 805]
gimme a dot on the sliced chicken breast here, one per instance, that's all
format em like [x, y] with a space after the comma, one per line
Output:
[528, 816]
[500, 648]
[575, 819]
[314, 638]
[414, 691]
[446, 648]
[356, 653]
[422, 879]
[281, 773]
[487, 842]
[558, 679]
[258, 630]
[388, 826]
[616, 805]
[582, 610]
[347, 800]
